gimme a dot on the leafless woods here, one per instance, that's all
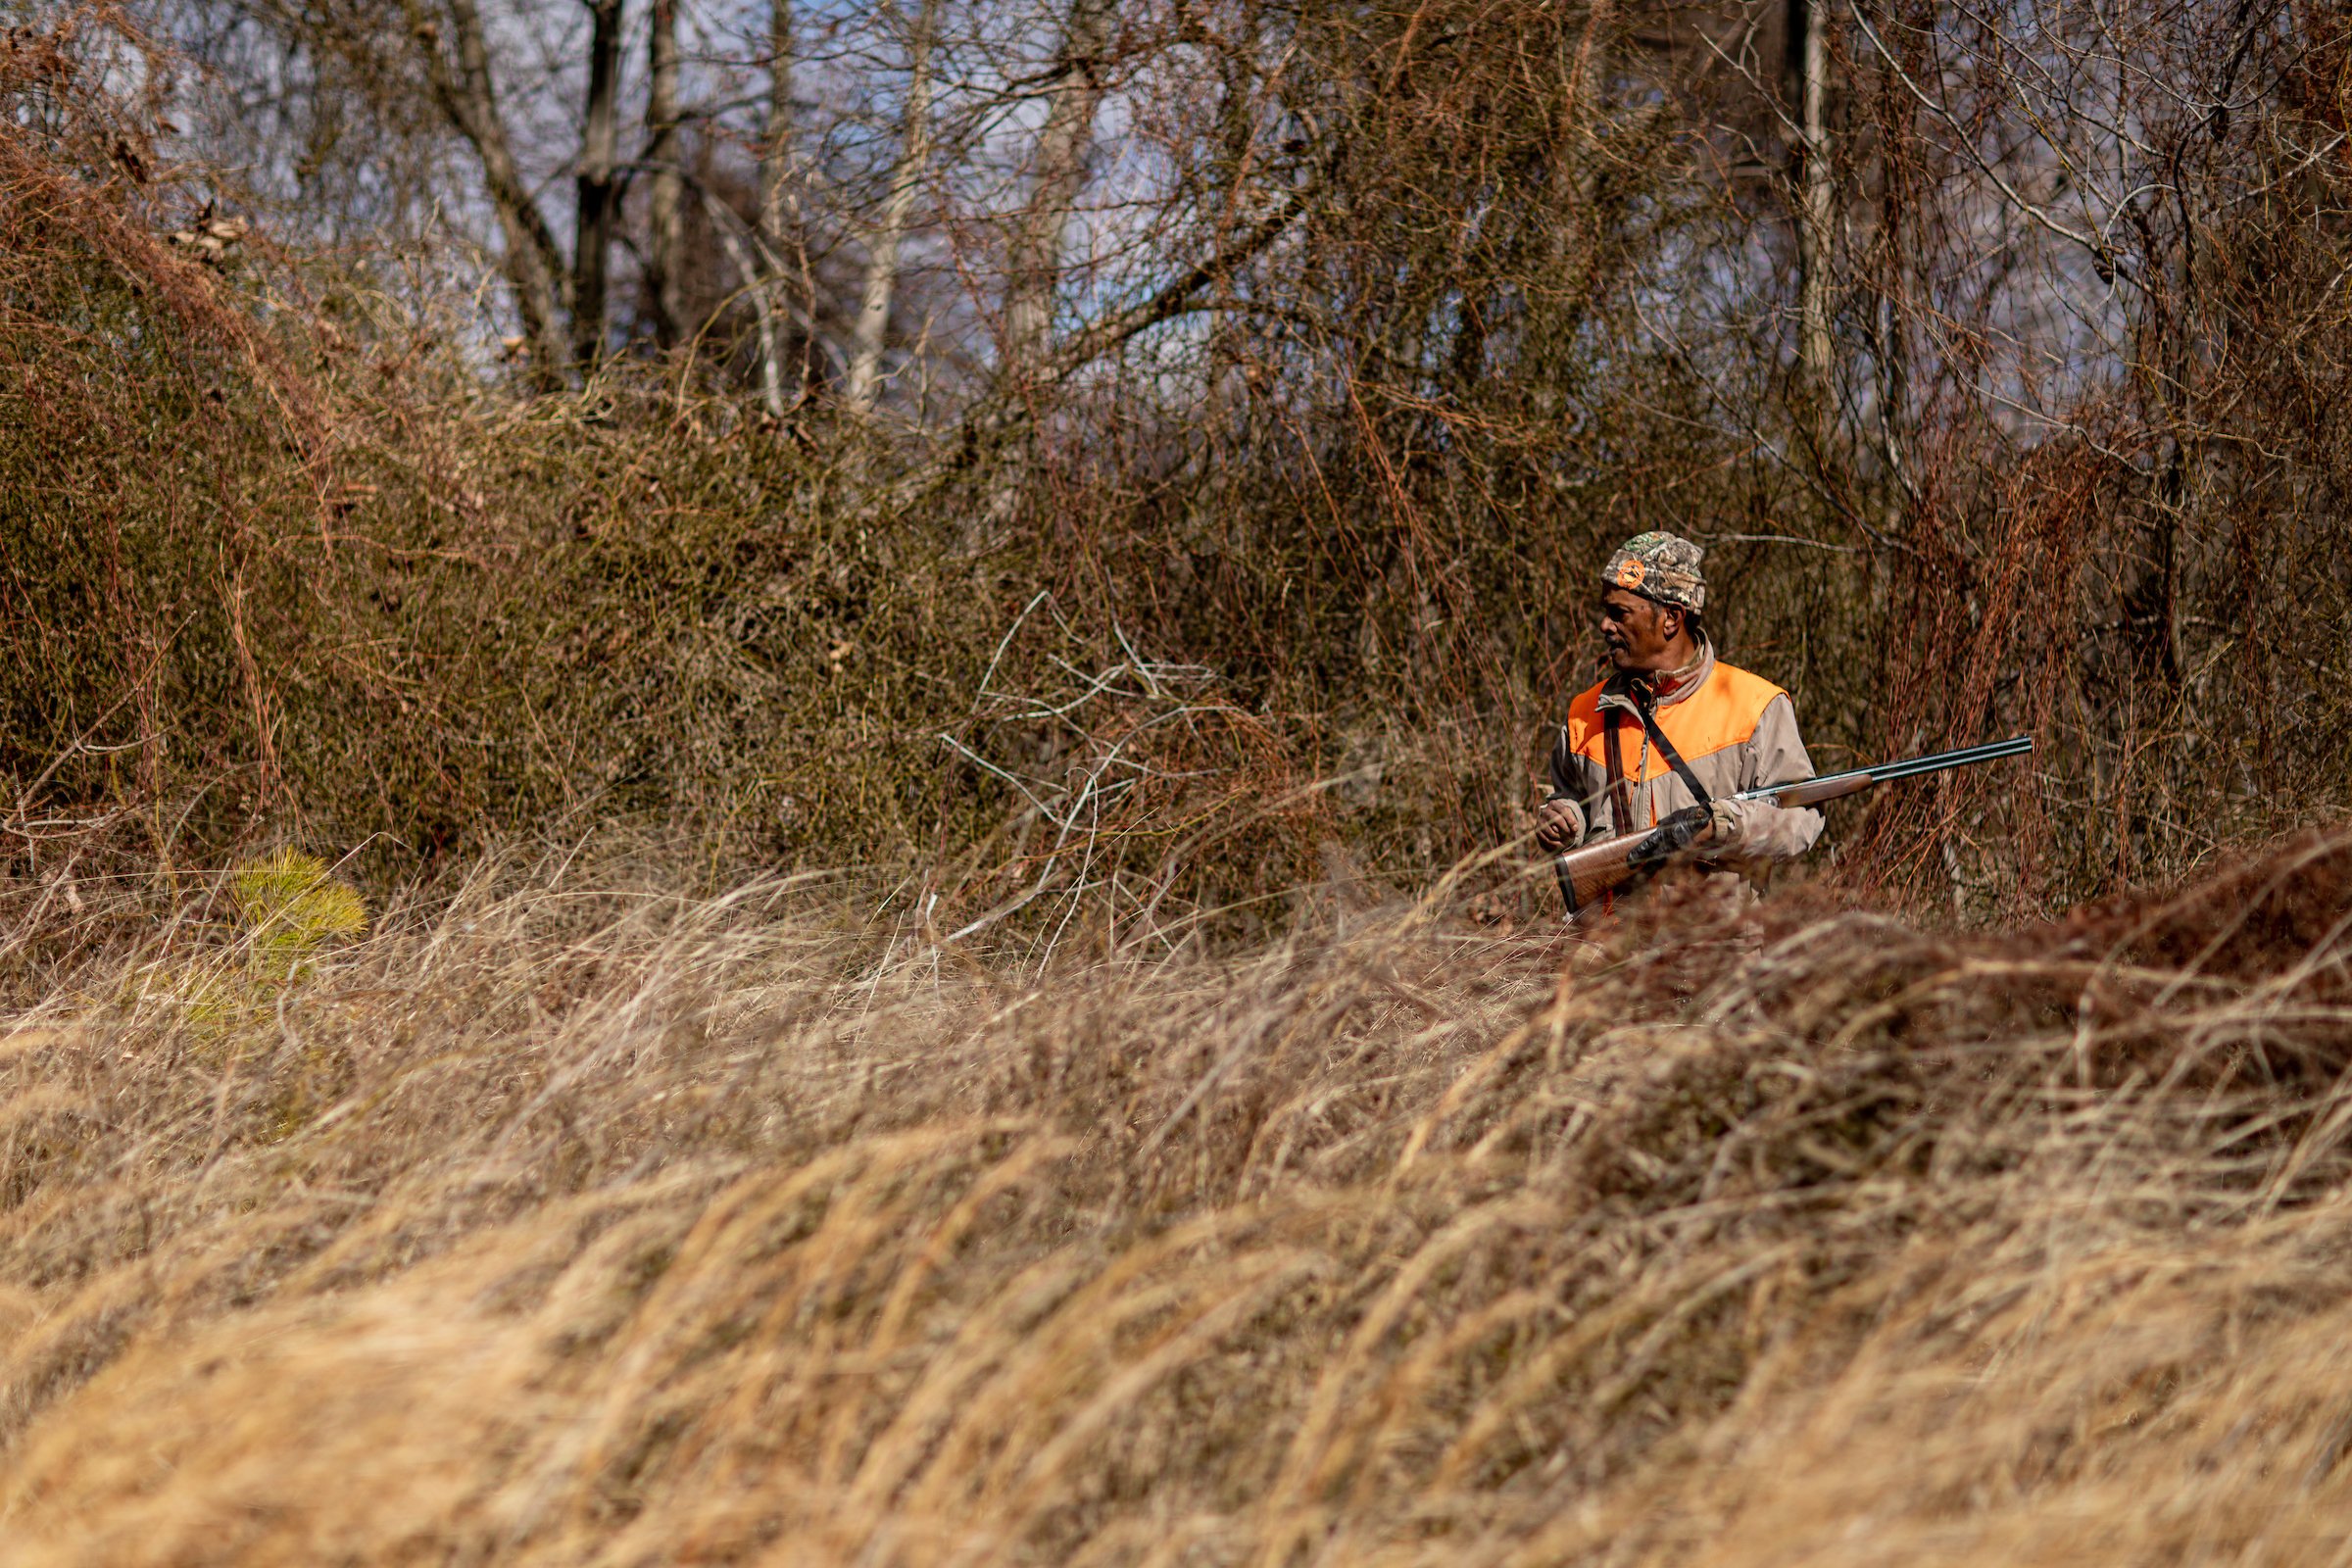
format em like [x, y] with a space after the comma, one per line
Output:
[1994, 353]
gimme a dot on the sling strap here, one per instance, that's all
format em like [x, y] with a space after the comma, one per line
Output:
[1645, 697]
[1621, 797]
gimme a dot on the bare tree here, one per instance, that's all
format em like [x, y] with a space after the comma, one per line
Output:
[596, 183]
[776, 185]
[467, 93]
[779, 204]
[1809, 29]
[907, 172]
[665, 216]
[1058, 169]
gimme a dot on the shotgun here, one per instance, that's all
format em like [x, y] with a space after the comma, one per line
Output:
[1588, 872]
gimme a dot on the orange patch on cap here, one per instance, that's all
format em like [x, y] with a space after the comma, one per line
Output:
[1631, 571]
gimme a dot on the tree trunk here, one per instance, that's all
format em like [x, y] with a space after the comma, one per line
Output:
[592, 238]
[665, 240]
[467, 97]
[776, 138]
[882, 258]
[1809, 44]
[1058, 165]
[780, 206]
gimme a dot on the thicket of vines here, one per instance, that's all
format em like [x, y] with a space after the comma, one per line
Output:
[2034, 419]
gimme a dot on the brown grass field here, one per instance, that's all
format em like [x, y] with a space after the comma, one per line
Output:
[550, 1225]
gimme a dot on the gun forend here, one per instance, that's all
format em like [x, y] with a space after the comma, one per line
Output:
[1812, 791]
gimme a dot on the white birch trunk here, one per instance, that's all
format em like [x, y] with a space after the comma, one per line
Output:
[882, 256]
[1059, 166]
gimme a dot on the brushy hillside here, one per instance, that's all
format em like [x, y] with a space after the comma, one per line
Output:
[288, 554]
[552, 1225]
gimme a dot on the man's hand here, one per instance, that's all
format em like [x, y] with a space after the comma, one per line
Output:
[1680, 832]
[1555, 825]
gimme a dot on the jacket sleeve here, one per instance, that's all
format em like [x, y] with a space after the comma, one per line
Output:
[1776, 755]
[1566, 785]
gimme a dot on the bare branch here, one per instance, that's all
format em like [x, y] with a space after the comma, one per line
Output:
[467, 96]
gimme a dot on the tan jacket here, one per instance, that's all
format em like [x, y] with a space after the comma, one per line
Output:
[1737, 731]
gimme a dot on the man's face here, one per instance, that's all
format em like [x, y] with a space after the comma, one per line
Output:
[1640, 634]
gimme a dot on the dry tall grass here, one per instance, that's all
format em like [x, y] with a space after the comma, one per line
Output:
[551, 1227]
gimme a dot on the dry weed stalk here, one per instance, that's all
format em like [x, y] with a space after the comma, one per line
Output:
[551, 1226]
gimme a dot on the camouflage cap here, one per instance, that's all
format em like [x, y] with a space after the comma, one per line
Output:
[1662, 566]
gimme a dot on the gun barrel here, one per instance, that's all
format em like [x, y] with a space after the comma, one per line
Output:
[1829, 786]
[1966, 757]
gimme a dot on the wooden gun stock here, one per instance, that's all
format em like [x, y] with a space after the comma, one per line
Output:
[1589, 873]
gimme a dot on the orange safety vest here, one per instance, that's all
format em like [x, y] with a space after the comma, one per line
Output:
[1721, 714]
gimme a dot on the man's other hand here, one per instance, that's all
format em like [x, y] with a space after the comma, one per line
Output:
[1555, 825]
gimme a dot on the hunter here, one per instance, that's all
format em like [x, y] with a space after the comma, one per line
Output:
[1673, 732]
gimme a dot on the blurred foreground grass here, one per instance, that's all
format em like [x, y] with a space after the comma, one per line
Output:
[555, 1225]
